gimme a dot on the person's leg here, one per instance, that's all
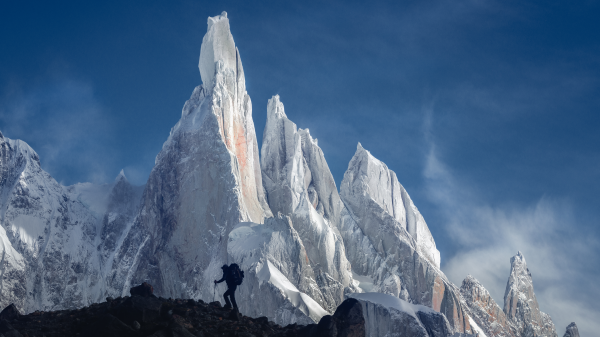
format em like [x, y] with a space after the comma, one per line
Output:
[232, 296]
[226, 295]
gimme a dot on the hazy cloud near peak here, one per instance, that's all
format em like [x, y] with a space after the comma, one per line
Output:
[63, 121]
[487, 236]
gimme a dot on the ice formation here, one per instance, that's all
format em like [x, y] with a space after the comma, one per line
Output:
[299, 184]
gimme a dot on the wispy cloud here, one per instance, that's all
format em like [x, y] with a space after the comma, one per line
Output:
[561, 259]
[65, 123]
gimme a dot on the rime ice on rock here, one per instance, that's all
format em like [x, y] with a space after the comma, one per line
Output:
[205, 181]
[378, 224]
[277, 271]
[217, 46]
[372, 179]
[299, 184]
[520, 304]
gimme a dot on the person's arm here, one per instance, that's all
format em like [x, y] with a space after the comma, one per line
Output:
[222, 279]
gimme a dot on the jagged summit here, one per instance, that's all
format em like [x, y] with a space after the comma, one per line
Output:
[520, 303]
[369, 176]
[217, 46]
[572, 330]
[121, 176]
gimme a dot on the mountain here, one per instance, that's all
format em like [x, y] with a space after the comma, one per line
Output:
[211, 199]
[389, 242]
[206, 180]
[48, 236]
[520, 304]
[572, 331]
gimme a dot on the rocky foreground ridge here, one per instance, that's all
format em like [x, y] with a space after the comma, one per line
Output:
[143, 314]
[212, 198]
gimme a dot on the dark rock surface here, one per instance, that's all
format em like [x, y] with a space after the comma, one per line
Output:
[144, 290]
[572, 330]
[159, 317]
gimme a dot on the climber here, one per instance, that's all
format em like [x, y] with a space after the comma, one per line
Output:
[233, 276]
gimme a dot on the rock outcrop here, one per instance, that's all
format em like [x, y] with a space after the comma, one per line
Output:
[158, 317]
[520, 304]
[572, 330]
[487, 314]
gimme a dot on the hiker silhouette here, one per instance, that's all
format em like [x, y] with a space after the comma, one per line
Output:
[233, 276]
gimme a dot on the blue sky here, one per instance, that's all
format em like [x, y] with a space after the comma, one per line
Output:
[488, 111]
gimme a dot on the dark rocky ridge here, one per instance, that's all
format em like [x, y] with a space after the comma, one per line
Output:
[144, 314]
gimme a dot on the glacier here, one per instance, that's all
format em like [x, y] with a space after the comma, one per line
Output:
[212, 198]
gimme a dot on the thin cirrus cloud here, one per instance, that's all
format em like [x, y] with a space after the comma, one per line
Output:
[65, 124]
[486, 236]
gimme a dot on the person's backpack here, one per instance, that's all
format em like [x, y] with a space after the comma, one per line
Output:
[236, 275]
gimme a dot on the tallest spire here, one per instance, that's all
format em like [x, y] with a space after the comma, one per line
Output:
[217, 45]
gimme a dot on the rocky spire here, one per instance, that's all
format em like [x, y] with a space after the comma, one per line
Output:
[370, 178]
[217, 46]
[387, 240]
[572, 331]
[520, 304]
[205, 181]
[299, 185]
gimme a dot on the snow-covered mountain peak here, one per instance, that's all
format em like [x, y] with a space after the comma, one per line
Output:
[20, 147]
[367, 177]
[275, 108]
[217, 46]
[518, 259]
[121, 176]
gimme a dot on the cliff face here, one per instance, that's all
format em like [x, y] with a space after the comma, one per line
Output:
[47, 236]
[484, 310]
[520, 304]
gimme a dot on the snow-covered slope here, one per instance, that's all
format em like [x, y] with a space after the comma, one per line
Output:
[276, 266]
[387, 315]
[205, 181]
[49, 258]
[299, 184]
